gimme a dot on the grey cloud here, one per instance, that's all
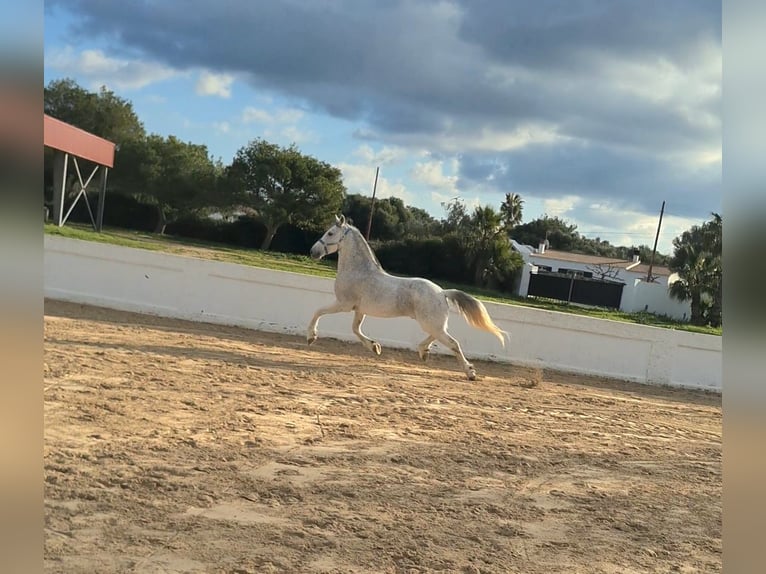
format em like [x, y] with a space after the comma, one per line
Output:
[430, 71]
[389, 63]
[553, 34]
[625, 180]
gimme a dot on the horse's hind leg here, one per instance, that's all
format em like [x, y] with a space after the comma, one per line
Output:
[424, 347]
[452, 344]
[366, 341]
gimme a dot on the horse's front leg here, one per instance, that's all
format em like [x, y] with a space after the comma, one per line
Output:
[366, 341]
[330, 309]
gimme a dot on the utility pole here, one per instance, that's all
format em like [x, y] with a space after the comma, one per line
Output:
[656, 237]
[372, 205]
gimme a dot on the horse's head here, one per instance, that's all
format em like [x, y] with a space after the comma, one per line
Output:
[330, 241]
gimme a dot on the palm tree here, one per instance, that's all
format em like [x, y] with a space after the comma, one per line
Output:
[511, 210]
[482, 234]
[697, 260]
[714, 243]
[486, 227]
[689, 262]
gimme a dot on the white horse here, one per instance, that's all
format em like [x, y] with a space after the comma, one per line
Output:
[362, 286]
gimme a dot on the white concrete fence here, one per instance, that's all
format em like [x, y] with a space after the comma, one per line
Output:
[225, 293]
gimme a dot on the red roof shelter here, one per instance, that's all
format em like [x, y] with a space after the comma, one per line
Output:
[71, 143]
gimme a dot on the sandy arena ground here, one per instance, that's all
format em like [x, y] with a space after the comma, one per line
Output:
[173, 446]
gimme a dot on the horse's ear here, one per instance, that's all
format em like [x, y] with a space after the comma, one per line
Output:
[340, 221]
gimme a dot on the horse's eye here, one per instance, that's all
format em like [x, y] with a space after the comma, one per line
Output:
[330, 234]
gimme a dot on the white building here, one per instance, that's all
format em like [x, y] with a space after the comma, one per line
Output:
[638, 294]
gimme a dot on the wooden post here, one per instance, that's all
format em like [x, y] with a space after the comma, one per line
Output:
[372, 204]
[656, 237]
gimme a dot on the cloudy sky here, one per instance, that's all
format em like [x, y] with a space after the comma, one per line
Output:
[592, 110]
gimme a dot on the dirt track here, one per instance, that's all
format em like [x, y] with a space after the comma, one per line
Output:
[179, 447]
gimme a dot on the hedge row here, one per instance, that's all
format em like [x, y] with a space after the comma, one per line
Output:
[435, 258]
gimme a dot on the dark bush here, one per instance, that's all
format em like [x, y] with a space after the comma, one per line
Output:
[245, 231]
[435, 258]
[242, 232]
[292, 239]
[119, 211]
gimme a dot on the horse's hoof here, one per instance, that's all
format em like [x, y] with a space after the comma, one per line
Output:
[471, 374]
[424, 355]
[311, 340]
[376, 348]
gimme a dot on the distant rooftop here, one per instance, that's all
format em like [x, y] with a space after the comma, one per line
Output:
[641, 268]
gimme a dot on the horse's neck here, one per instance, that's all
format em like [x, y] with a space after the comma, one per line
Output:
[357, 254]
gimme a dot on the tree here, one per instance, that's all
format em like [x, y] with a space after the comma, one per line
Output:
[392, 219]
[604, 270]
[457, 218]
[356, 208]
[176, 177]
[421, 223]
[714, 241]
[388, 218]
[559, 233]
[494, 263]
[185, 178]
[511, 210]
[103, 113]
[284, 186]
[697, 258]
[645, 255]
[482, 234]
[564, 236]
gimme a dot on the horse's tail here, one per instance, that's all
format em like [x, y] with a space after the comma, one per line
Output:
[475, 313]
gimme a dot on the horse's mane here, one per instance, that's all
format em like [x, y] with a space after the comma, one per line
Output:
[366, 245]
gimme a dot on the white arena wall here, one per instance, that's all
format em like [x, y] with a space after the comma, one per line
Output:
[201, 290]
